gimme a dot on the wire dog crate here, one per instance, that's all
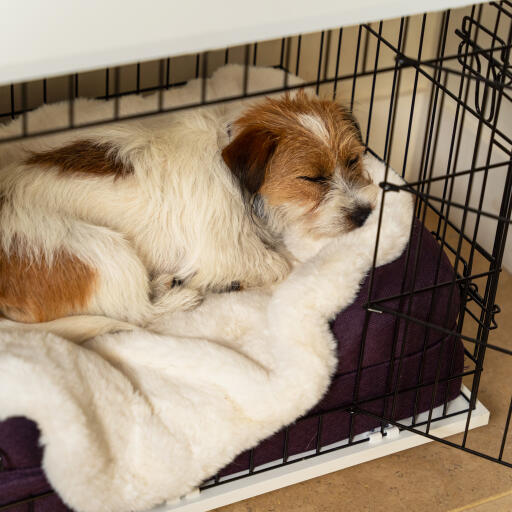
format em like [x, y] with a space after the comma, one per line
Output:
[433, 95]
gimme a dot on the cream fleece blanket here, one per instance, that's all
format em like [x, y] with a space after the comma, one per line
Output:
[133, 419]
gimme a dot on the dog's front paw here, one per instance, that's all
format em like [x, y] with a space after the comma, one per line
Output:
[177, 298]
[161, 284]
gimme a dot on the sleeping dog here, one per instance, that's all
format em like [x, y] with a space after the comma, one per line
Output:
[133, 220]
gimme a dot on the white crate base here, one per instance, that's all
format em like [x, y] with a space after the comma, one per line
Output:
[377, 446]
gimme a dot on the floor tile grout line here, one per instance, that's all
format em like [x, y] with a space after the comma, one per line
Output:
[482, 501]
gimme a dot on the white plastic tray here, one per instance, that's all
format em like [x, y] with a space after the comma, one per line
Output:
[377, 446]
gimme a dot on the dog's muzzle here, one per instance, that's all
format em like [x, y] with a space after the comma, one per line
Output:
[359, 215]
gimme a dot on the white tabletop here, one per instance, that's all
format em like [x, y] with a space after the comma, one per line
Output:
[45, 38]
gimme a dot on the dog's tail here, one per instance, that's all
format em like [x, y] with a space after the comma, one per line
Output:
[77, 328]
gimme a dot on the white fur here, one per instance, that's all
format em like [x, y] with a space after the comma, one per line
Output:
[132, 419]
[315, 125]
[181, 215]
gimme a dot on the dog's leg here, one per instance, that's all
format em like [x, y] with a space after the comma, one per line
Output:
[169, 294]
[91, 270]
[126, 291]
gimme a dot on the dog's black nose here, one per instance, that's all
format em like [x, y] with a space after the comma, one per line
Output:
[359, 215]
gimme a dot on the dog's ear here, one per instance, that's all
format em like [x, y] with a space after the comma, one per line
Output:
[350, 118]
[248, 156]
[355, 124]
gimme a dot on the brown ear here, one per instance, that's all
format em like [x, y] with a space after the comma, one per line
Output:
[355, 124]
[349, 116]
[248, 156]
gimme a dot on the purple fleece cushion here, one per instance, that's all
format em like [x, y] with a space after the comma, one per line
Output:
[426, 353]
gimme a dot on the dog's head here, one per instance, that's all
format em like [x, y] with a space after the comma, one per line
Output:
[301, 159]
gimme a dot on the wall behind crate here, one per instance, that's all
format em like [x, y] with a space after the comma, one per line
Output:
[485, 231]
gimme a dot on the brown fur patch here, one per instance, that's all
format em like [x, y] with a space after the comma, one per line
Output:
[83, 156]
[297, 151]
[248, 155]
[34, 291]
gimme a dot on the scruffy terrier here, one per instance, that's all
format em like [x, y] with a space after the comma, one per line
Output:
[134, 220]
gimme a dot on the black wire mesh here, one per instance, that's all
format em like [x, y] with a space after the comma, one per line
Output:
[455, 103]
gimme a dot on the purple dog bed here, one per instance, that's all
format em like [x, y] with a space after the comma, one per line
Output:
[426, 352]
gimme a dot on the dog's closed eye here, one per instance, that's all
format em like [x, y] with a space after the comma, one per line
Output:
[314, 179]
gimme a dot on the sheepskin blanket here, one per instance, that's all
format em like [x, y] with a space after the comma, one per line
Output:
[132, 419]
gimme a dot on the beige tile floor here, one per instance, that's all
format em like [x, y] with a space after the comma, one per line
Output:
[432, 477]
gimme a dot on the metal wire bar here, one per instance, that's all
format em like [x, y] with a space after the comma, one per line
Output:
[336, 71]
[453, 175]
[454, 204]
[477, 222]
[320, 57]
[107, 84]
[117, 87]
[161, 85]
[306, 457]
[281, 56]
[327, 54]
[423, 167]
[395, 86]
[285, 444]
[13, 109]
[287, 63]
[491, 285]
[454, 132]
[405, 62]
[395, 90]
[204, 73]
[167, 73]
[372, 271]
[71, 102]
[505, 431]
[416, 430]
[500, 7]
[454, 56]
[176, 108]
[372, 94]
[356, 65]
[384, 309]
[251, 461]
[391, 376]
[281, 464]
[246, 70]
[299, 43]
[469, 355]
[424, 289]
[399, 82]
[388, 394]
[506, 139]
[24, 108]
[365, 50]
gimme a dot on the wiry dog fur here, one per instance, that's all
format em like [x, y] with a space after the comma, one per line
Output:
[108, 222]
